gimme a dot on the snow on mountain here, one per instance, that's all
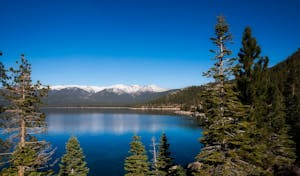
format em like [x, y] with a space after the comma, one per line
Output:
[92, 89]
[118, 88]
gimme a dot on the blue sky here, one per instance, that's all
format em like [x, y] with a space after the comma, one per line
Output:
[162, 42]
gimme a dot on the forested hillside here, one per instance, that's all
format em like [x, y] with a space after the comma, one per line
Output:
[76, 97]
[287, 76]
[184, 98]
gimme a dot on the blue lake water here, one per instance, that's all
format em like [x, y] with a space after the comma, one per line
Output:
[105, 135]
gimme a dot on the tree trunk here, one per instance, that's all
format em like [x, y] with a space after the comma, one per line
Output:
[21, 169]
[22, 138]
[221, 77]
[154, 154]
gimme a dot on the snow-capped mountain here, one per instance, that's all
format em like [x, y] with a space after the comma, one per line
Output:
[118, 88]
[115, 95]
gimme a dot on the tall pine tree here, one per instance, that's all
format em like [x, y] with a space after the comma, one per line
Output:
[270, 148]
[224, 132]
[137, 163]
[22, 119]
[73, 162]
[248, 55]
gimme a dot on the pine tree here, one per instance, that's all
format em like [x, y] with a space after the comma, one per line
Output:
[137, 163]
[73, 162]
[22, 119]
[269, 147]
[248, 72]
[164, 160]
[224, 132]
[248, 55]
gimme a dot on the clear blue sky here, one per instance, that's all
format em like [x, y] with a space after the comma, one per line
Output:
[163, 42]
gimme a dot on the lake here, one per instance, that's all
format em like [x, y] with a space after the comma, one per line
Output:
[105, 135]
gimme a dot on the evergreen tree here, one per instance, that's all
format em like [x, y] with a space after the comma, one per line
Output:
[164, 160]
[269, 147]
[248, 55]
[22, 119]
[137, 163]
[73, 162]
[224, 132]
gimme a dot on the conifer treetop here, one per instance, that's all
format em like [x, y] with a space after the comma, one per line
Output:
[73, 162]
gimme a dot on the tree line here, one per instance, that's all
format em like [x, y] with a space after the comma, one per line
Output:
[246, 132]
[247, 128]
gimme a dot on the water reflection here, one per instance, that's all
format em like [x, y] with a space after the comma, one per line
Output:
[115, 123]
[105, 135]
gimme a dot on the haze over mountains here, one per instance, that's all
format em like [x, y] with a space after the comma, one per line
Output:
[115, 95]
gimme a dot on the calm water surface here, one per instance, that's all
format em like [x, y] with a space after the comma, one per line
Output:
[105, 135]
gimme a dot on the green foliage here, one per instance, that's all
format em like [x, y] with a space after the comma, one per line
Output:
[13, 172]
[73, 162]
[224, 132]
[21, 119]
[24, 156]
[137, 163]
[288, 70]
[164, 160]
[222, 69]
[2, 71]
[248, 56]
[184, 98]
[27, 157]
[286, 76]
[24, 98]
[224, 135]
[269, 148]
[4, 148]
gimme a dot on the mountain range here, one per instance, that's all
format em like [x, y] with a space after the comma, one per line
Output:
[115, 95]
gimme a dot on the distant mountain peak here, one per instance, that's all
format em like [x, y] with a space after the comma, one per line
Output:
[117, 88]
[114, 95]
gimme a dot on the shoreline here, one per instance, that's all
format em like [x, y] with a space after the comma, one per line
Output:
[113, 107]
[83, 107]
[175, 110]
